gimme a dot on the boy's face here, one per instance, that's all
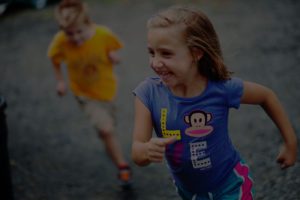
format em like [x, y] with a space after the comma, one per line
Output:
[77, 33]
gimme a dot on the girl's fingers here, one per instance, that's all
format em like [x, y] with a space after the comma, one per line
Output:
[157, 148]
[169, 140]
[156, 157]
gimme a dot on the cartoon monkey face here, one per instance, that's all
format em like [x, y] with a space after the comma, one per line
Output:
[198, 124]
[197, 119]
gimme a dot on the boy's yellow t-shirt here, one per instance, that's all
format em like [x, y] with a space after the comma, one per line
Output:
[90, 71]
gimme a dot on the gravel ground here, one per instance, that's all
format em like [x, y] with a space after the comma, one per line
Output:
[55, 154]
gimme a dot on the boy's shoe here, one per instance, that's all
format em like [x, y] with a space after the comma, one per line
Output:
[124, 176]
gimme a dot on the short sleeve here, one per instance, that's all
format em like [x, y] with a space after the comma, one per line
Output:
[113, 42]
[54, 50]
[143, 92]
[234, 88]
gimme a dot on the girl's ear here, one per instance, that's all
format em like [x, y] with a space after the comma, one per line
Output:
[197, 53]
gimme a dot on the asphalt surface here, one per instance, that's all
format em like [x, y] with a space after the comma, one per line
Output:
[55, 153]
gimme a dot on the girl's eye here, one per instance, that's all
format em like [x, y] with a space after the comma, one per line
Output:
[151, 53]
[166, 54]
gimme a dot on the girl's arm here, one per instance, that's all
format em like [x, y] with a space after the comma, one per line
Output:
[146, 149]
[266, 98]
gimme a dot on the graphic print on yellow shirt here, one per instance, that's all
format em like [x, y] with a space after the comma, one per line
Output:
[90, 71]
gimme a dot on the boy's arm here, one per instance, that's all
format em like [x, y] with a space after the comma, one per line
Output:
[114, 57]
[146, 149]
[61, 86]
[266, 98]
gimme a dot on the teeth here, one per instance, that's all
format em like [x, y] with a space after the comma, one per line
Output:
[163, 73]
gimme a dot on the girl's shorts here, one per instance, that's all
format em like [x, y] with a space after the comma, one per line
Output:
[100, 113]
[238, 186]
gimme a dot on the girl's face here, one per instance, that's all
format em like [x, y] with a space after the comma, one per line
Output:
[170, 57]
[78, 33]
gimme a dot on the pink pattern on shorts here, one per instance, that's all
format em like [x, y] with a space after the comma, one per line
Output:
[242, 171]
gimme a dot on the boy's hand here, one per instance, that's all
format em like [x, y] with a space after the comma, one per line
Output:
[114, 58]
[61, 88]
[156, 148]
[287, 156]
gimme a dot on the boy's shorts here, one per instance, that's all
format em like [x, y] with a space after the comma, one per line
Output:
[238, 186]
[100, 113]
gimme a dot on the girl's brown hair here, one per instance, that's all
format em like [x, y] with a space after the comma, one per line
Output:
[70, 12]
[199, 33]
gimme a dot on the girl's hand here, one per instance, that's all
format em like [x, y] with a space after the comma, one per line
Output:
[156, 148]
[287, 156]
[61, 88]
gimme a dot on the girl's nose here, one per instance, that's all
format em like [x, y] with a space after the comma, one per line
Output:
[156, 63]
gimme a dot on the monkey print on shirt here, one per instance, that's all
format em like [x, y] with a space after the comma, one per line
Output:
[197, 127]
[198, 122]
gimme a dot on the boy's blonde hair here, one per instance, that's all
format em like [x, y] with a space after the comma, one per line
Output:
[71, 12]
[199, 33]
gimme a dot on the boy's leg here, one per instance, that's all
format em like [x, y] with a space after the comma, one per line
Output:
[101, 115]
[112, 147]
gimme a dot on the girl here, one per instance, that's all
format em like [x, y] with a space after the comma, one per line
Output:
[188, 105]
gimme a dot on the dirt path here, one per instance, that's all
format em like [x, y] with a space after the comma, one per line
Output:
[55, 154]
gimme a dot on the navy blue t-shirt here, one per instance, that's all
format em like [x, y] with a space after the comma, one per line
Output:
[203, 155]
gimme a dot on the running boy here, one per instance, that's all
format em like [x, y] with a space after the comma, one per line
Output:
[89, 51]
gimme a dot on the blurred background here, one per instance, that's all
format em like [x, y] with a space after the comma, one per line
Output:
[54, 154]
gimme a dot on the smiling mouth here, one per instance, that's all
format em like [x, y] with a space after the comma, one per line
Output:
[164, 75]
